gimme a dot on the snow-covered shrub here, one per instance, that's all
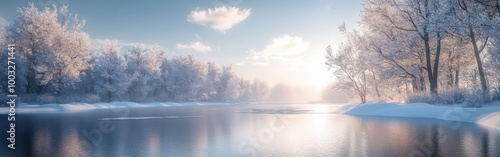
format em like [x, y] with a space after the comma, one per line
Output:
[87, 98]
[92, 98]
[35, 98]
[475, 99]
[421, 97]
[26, 98]
[495, 93]
[452, 96]
[49, 98]
[45, 99]
[464, 97]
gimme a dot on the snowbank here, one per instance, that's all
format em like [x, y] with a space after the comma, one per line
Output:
[50, 108]
[488, 115]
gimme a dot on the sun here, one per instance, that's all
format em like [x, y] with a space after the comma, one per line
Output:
[318, 76]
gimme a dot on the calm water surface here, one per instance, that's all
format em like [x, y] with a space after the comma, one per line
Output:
[246, 130]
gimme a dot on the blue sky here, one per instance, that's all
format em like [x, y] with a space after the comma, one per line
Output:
[276, 41]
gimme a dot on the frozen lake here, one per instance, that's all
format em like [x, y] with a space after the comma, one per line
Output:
[243, 130]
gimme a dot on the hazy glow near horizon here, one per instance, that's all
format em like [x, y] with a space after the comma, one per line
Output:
[273, 41]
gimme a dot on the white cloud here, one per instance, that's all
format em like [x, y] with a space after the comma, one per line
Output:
[281, 49]
[220, 18]
[196, 46]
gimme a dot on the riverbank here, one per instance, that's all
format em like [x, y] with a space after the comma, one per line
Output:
[487, 115]
[76, 107]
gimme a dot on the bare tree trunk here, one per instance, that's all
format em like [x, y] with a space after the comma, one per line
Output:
[477, 52]
[109, 92]
[457, 72]
[59, 82]
[431, 74]
[31, 87]
[362, 92]
[375, 84]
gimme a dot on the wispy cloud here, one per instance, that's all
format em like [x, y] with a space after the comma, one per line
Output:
[281, 48]
[196, 46]
[221, 18]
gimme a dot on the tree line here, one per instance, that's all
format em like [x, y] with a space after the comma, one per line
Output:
[56, 62]
[420, 46]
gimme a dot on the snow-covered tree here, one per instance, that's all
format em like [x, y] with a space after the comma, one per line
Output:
[2, 34]
[186, 78]
[33, 31]
[71, 52]
[260, 90]
[110, 78]
[349, 69]
[473, 23]
[228, 88]
[245, 89]
[492, 65]
[3, 64]
[52, 47]
[209, 90]
[143, 69]
[456, 60]
[423, 19]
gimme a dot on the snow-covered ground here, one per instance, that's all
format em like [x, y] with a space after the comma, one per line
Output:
[488, 115]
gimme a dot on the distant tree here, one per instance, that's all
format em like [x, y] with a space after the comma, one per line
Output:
[245, 90]
[209, 90]
[260, 90]
[281, 92]
[165, 72]
[143, 69]
[88, 78]
[186, 78]
[228, 88]
[110, 78]
[330, 95]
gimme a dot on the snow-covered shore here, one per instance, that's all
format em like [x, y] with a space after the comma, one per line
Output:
[487, 115]
[74, 107]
